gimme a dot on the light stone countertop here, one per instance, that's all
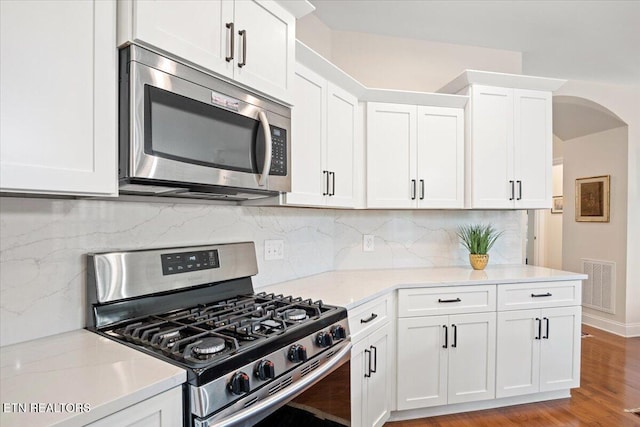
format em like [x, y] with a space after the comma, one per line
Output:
[78, 367]
[351, 288]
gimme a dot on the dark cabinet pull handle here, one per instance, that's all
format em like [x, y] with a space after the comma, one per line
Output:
[375, 358]
[369, 319]
[233, 45]
[512, 191]
[368, 374]
[519, 190]
[446, 337]
[546, 335]
[455, 336]
[449, 300]
[325, 190]
[539, 322]
[333, 183]
[413, 189]
[422, 189]
[548, 294]
[243, 34]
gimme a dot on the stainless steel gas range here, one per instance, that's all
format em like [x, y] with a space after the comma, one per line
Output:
[245, 354]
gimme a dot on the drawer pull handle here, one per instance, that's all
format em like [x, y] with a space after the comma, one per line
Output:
[369, 319]
[541, 295]
[449, 300]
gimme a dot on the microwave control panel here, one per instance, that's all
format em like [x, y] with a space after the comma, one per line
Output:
[279, 151]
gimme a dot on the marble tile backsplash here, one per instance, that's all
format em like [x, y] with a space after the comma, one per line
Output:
[43, 243]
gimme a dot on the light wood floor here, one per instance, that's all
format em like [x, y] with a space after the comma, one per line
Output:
[610, 383]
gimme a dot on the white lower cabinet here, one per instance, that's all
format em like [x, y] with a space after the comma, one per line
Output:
[538, 350]
[445, 359]
[162, 410]
[371, 379]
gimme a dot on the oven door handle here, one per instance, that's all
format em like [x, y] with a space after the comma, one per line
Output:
[246, 416]
[266, 166]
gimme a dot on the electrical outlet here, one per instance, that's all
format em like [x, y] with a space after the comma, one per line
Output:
[273, 249]
[368, 243]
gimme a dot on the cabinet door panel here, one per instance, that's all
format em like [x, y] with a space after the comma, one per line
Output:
[270, 43]
[440, 155]
[359, 367]
[193, 30]
[518, 353]
[422, 362]
[308, 123]
[164, 409]
[560, 348]
[58, 128]
[532, 148]
[472, 357]
[492, 150]
[391, 144]
[341, 134]
[379, 387]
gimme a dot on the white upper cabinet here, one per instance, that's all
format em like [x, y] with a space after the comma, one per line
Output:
[249, 41]
[322, 143]
[415, 156]
[58, 80]
[508, 139]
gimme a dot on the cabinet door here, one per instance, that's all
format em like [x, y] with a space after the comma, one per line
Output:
[58, 123]
[193, 30]
[472, 357]
[440, 155]
[518, 353]
[391, 164]
[265, 51]
[532, 148]
[422, 362]
[341, 134]
[491, 147]
[308, 127]
[359, 367]
[379, 384]
[560, 348]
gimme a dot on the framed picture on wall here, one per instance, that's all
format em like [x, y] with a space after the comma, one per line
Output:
[556, 205]
[592, 199]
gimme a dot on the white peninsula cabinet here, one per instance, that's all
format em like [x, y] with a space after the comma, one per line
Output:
[446, 346]
[251, 42]
[322, 142]
[415, 156]
[372, 362]
[58, 106]
[508, 139]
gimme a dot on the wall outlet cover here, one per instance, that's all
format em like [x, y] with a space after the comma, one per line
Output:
[368, 243]
[273, 250]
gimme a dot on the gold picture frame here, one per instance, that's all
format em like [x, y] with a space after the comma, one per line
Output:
[556, 205]
[592, 199]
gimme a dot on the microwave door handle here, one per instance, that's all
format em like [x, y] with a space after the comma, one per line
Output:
[266, 167]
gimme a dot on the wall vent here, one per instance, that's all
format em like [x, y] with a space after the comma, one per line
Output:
[599, 289]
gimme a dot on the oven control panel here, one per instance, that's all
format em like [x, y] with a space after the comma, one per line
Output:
[185, 262]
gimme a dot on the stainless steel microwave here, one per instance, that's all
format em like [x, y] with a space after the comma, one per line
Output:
[186, 133]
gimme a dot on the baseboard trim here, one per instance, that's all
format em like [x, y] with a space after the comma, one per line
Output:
[627, 330]
[412, 414]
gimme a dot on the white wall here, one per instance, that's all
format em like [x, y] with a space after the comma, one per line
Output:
[553, 225]
[43, 243]
[624, 101]
[603, 153]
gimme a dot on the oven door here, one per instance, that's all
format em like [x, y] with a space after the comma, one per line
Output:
[181, 131]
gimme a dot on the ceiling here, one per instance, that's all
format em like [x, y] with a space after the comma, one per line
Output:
[576, 117]
[596, 40]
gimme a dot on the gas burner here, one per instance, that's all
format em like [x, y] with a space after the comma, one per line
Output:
[295, 314]
[167, 338]
[209, 346]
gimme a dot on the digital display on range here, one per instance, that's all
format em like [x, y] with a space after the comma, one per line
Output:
[185, 262]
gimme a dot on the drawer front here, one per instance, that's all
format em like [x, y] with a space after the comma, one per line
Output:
[446, 300]
[519, 296]
[365, 318]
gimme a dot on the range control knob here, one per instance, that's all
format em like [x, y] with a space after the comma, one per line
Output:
[266, 370]
[297, 353]
[324, 339]
[239, 383]
[338, 332]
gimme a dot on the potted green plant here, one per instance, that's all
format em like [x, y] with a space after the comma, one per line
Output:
[478, 239]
